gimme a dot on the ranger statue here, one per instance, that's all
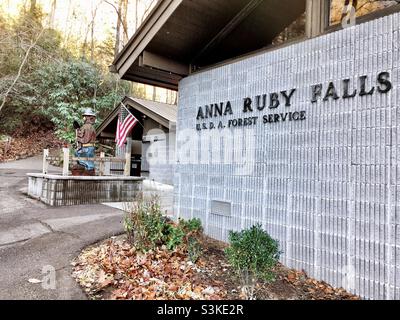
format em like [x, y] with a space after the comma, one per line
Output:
[86, 144]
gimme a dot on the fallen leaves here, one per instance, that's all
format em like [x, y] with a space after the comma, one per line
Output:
[34, 281]
[115, 270]
[316, 290]
[23, 147]
[127, 274]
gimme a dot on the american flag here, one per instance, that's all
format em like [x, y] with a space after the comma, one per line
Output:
[124, 128]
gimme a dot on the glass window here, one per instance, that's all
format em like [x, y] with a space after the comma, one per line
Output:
[340, 9]
[295, 30]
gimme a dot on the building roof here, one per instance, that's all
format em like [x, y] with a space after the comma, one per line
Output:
[182, 35]
[163, 113]
[167, 111]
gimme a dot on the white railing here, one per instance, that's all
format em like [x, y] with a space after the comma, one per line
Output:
[104, 163]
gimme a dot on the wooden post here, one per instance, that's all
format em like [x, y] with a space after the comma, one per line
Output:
[107, 170]
[102, 164]
[317, 17]
[7, 146]
[128, 160]
[45, 162]
[66, 162]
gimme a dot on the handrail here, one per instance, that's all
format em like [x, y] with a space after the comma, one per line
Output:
[67, 160]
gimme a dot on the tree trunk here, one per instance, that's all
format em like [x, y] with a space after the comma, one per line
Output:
[125, 20]
[32, 45]
[33, 7]
[67, 29]
[84, 44]
[94, 13]
[53, 13]
[154, 93]
[136, 15]
[92, 44]
[118, 30]
[147, 11]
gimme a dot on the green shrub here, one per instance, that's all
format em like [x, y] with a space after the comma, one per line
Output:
[194, 249]
[145, 225]
[147, 228]
[191, 226]
[174, 236]
[253, 253]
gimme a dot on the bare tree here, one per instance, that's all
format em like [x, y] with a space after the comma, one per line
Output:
[147, 10]
[122, 21]
[31, 46]
[124, 14]
[90, 29]
[67, 29]
[32, 7]
[118, 30]
[136, 15]
[94, 14]
[154, 93]
[53, 13]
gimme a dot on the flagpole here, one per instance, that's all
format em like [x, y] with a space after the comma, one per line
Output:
[131, 113]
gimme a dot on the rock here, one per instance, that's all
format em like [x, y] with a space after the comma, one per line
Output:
[208, 291]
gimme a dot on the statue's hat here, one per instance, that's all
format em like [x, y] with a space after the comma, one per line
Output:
[89, 113]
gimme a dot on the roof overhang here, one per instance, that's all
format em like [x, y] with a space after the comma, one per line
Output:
[134, 64]
[179, 36]
[131, 103]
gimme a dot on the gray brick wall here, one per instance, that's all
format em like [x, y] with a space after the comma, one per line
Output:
[161, 162]
[327, 188]
[162, 173]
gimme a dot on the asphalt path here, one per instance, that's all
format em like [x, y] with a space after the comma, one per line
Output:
[38, 243]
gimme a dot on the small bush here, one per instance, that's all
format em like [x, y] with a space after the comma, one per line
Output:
[145, 225]
[253, 254]
[194, 249]
[147, 229]
[192, 226]
[193, 231]
[174, 236]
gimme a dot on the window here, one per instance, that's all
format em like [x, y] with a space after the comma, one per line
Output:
[295, 30]
[340, 9]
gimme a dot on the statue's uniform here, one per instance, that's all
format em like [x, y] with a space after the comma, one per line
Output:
[86, 138]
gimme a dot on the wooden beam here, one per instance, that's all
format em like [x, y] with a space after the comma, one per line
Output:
[128, 158]
[172, 85]
[138, 43]
[65, 162]
[107, 135]
[158, 62]
[102, 164]
[317, 17]
[45, 161]
[238, 19]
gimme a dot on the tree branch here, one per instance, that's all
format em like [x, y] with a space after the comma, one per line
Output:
[148, 9]
[119, 17]
[33, 44]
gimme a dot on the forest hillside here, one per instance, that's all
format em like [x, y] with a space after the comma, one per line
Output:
[49, 75]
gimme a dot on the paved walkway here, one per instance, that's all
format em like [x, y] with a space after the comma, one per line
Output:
[164, 193]
[34, 237]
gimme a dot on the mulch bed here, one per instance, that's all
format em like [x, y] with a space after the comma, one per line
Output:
[114, 270]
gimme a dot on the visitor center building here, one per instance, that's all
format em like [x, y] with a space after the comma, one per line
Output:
[288, 117]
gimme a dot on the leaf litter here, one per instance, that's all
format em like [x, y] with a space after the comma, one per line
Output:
[115, 270]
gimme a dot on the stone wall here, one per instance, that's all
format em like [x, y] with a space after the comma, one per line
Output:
[69, 191]
[327, 186]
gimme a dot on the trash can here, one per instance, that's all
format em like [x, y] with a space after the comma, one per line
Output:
[136, 166]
